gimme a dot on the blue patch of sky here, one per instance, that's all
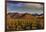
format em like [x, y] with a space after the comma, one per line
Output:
[21, 7]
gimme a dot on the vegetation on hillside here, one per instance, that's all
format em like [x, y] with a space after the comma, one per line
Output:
[26, 22]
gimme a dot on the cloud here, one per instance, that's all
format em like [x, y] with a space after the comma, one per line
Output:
[34, 5]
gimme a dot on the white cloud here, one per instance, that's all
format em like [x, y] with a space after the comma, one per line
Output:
[34, 5]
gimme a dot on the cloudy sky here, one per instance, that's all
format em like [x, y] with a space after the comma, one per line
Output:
[24, 7]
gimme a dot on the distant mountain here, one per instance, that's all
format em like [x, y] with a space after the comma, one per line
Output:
[23, 15]
[38, 14]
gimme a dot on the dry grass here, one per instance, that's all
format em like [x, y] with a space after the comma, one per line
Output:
[24, 24]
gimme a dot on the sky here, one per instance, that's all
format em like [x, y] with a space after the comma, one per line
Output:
[24, 7]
